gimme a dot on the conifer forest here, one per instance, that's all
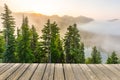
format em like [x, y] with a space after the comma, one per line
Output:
[26, 46]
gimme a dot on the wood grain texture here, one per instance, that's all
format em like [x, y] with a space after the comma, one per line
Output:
[47, 71]
[69, 75]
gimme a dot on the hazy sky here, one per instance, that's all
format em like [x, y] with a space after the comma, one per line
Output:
[98, 9]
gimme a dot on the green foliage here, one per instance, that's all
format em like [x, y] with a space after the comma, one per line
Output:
[74, 52]
[113, 59]
[2, 48]
[95, 56]
[24, 52]
[59, 46]
[88, 60]
[9, 25]
[99, 58]
[51, 43]
[46, 42]
[34, 42]
[39, 57]
[56, 45]
[82, 54]
[108, 60]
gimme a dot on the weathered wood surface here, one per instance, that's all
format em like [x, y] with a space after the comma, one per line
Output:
[17, 71]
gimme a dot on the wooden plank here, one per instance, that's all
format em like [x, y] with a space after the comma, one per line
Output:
[49, 72]
[9, 71]
[78, 73]
[2, 64]
[88, 72]
[98, 72]
[39, 72]
[59, 74]
[107, 72]
[51, 76]
[116, 66]
[18, 72]
[5, 68]
[113, 69]
[28, 73]
[69, 75]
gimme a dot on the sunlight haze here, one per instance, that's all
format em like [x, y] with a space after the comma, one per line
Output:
[97, 9]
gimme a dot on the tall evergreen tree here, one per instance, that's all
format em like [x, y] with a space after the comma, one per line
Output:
[99, 58]
[18, 43]
[109, 60]
[52, 45]
[46, 42]
[113, 59]
[18, 32]
[59, 46]
[9, 25]
[2, 48]
[34, 42]
[24, 51]
[56, 45]
[96, 57]
[72, 45]
[82, 54]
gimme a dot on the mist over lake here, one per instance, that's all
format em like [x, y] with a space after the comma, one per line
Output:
[103, 34]
[103, 27]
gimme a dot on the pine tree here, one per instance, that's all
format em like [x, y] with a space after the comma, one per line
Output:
[52, 45]
[59, 46]
[24, 52]
[82, 54]
[109, 60]
[2, 48]
[72, 45]
[55, 45]
[9, 25]
[99, 58]
[18, 44]
[96, 57]
[113, 59]
[18, 32]
[34, 42]
[46, 42]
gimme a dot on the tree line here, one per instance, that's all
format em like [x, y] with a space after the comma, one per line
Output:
[27, 47]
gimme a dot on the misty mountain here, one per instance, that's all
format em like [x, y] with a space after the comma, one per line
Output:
[113, 20]
[103, 34]
[39, 20]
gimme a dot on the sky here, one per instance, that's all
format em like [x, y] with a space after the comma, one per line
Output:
[97, 9]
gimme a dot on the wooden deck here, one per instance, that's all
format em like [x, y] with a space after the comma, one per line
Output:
[11, 71]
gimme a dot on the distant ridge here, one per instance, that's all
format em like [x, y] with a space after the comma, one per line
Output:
[39, 20]
[113, 20]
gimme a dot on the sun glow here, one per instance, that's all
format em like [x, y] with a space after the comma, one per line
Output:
[39, 6]
[90, 8]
